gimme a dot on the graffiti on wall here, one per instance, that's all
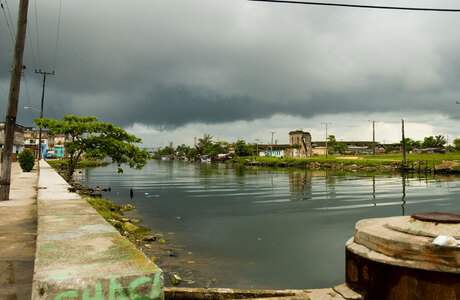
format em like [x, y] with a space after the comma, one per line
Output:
[150, 289]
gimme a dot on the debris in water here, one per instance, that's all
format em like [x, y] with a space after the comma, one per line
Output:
[175, 279]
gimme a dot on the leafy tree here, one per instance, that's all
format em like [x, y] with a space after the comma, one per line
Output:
[432, 142]
[192, 153]
[457, 144]
[204, 144]
[168, 150]
[217, 148]
[182, 150]
[411, 144]
[440, 141]
[341, 148]
[243, 149]
[86, 136]
[26, 160]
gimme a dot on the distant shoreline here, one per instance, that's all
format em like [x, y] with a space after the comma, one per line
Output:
[448, 164]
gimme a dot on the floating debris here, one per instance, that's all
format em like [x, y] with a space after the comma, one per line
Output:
[175, 279]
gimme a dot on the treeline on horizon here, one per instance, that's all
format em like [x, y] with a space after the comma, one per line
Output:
[207, 147]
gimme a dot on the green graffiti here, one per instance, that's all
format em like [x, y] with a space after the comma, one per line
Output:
[97, 293]
[67, 294]
[116, 291]
[157, 288]
[133, 285]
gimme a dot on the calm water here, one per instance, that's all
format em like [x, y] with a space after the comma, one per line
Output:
[268, 228]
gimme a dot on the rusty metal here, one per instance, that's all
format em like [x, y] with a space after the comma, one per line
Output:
[438, 217]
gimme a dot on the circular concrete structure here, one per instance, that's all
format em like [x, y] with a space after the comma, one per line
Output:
[394, 258]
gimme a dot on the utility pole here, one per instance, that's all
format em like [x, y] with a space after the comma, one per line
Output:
[373, 137]
[325, 123]
[271, 147]
[41, 111]
[403, 143]
[13, 99]
[257, 147]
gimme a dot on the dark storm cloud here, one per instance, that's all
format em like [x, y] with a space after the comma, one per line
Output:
[172, 63]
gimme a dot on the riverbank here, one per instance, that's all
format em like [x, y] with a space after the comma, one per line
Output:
[387, 163]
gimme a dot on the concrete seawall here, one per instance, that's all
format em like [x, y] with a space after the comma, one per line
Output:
[81, 256]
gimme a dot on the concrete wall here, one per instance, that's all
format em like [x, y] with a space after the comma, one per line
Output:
[81, 256]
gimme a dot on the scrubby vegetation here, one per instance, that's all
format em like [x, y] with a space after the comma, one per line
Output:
[26, 160]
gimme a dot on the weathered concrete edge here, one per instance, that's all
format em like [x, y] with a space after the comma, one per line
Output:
[80, 255]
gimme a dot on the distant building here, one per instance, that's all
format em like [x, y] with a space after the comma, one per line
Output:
[300, 144]
[18, 143]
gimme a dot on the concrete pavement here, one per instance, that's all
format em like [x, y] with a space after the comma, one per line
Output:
[18, 228]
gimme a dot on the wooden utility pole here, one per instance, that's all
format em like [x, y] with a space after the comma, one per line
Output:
[403, 143]
[41, 111]
[373, 137]
[271, 147]
[13, 99]
[325, 123]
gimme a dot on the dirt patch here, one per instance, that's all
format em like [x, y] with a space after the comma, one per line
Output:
[447, 165]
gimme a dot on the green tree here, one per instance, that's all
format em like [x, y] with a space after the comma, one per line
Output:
[243, 149]
[411, 144]
[341, 148]
[429, 142]
[457, 144]
[182, 150]
[86, 136]
[192, 153]
[168, 150]
[432, 142]
[440, 141]
[204, 144]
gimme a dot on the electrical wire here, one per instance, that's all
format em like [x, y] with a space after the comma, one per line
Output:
[31, 45]
[36, 27]
[57, 33]
[3, 89]
[9, 14]
[362, 6]
[7, 23]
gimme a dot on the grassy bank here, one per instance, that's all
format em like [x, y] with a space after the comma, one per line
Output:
[384, 162]
[57, 163]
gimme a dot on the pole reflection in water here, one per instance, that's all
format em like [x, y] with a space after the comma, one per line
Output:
[373, 189]
[403, 193]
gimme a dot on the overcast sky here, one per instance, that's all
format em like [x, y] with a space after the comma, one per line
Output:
[171, 70]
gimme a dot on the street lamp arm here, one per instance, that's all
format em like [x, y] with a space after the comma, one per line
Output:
[28, 107]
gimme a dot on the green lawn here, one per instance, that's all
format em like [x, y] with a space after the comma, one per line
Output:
[367, 160]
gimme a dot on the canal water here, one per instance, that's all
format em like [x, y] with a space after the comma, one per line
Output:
[265, 228]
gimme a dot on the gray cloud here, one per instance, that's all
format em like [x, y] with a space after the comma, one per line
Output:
[172, 63]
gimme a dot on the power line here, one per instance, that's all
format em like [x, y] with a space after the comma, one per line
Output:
[7, 23]
[362, 6]
[57, 33]
[9, 14]
[31, 45]
[3, 89]
[36, 27]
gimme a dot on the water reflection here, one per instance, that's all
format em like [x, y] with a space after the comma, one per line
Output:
[403, 193]
[293, 223]
[300, 185]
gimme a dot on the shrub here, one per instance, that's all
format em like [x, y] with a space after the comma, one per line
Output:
[26, 160]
